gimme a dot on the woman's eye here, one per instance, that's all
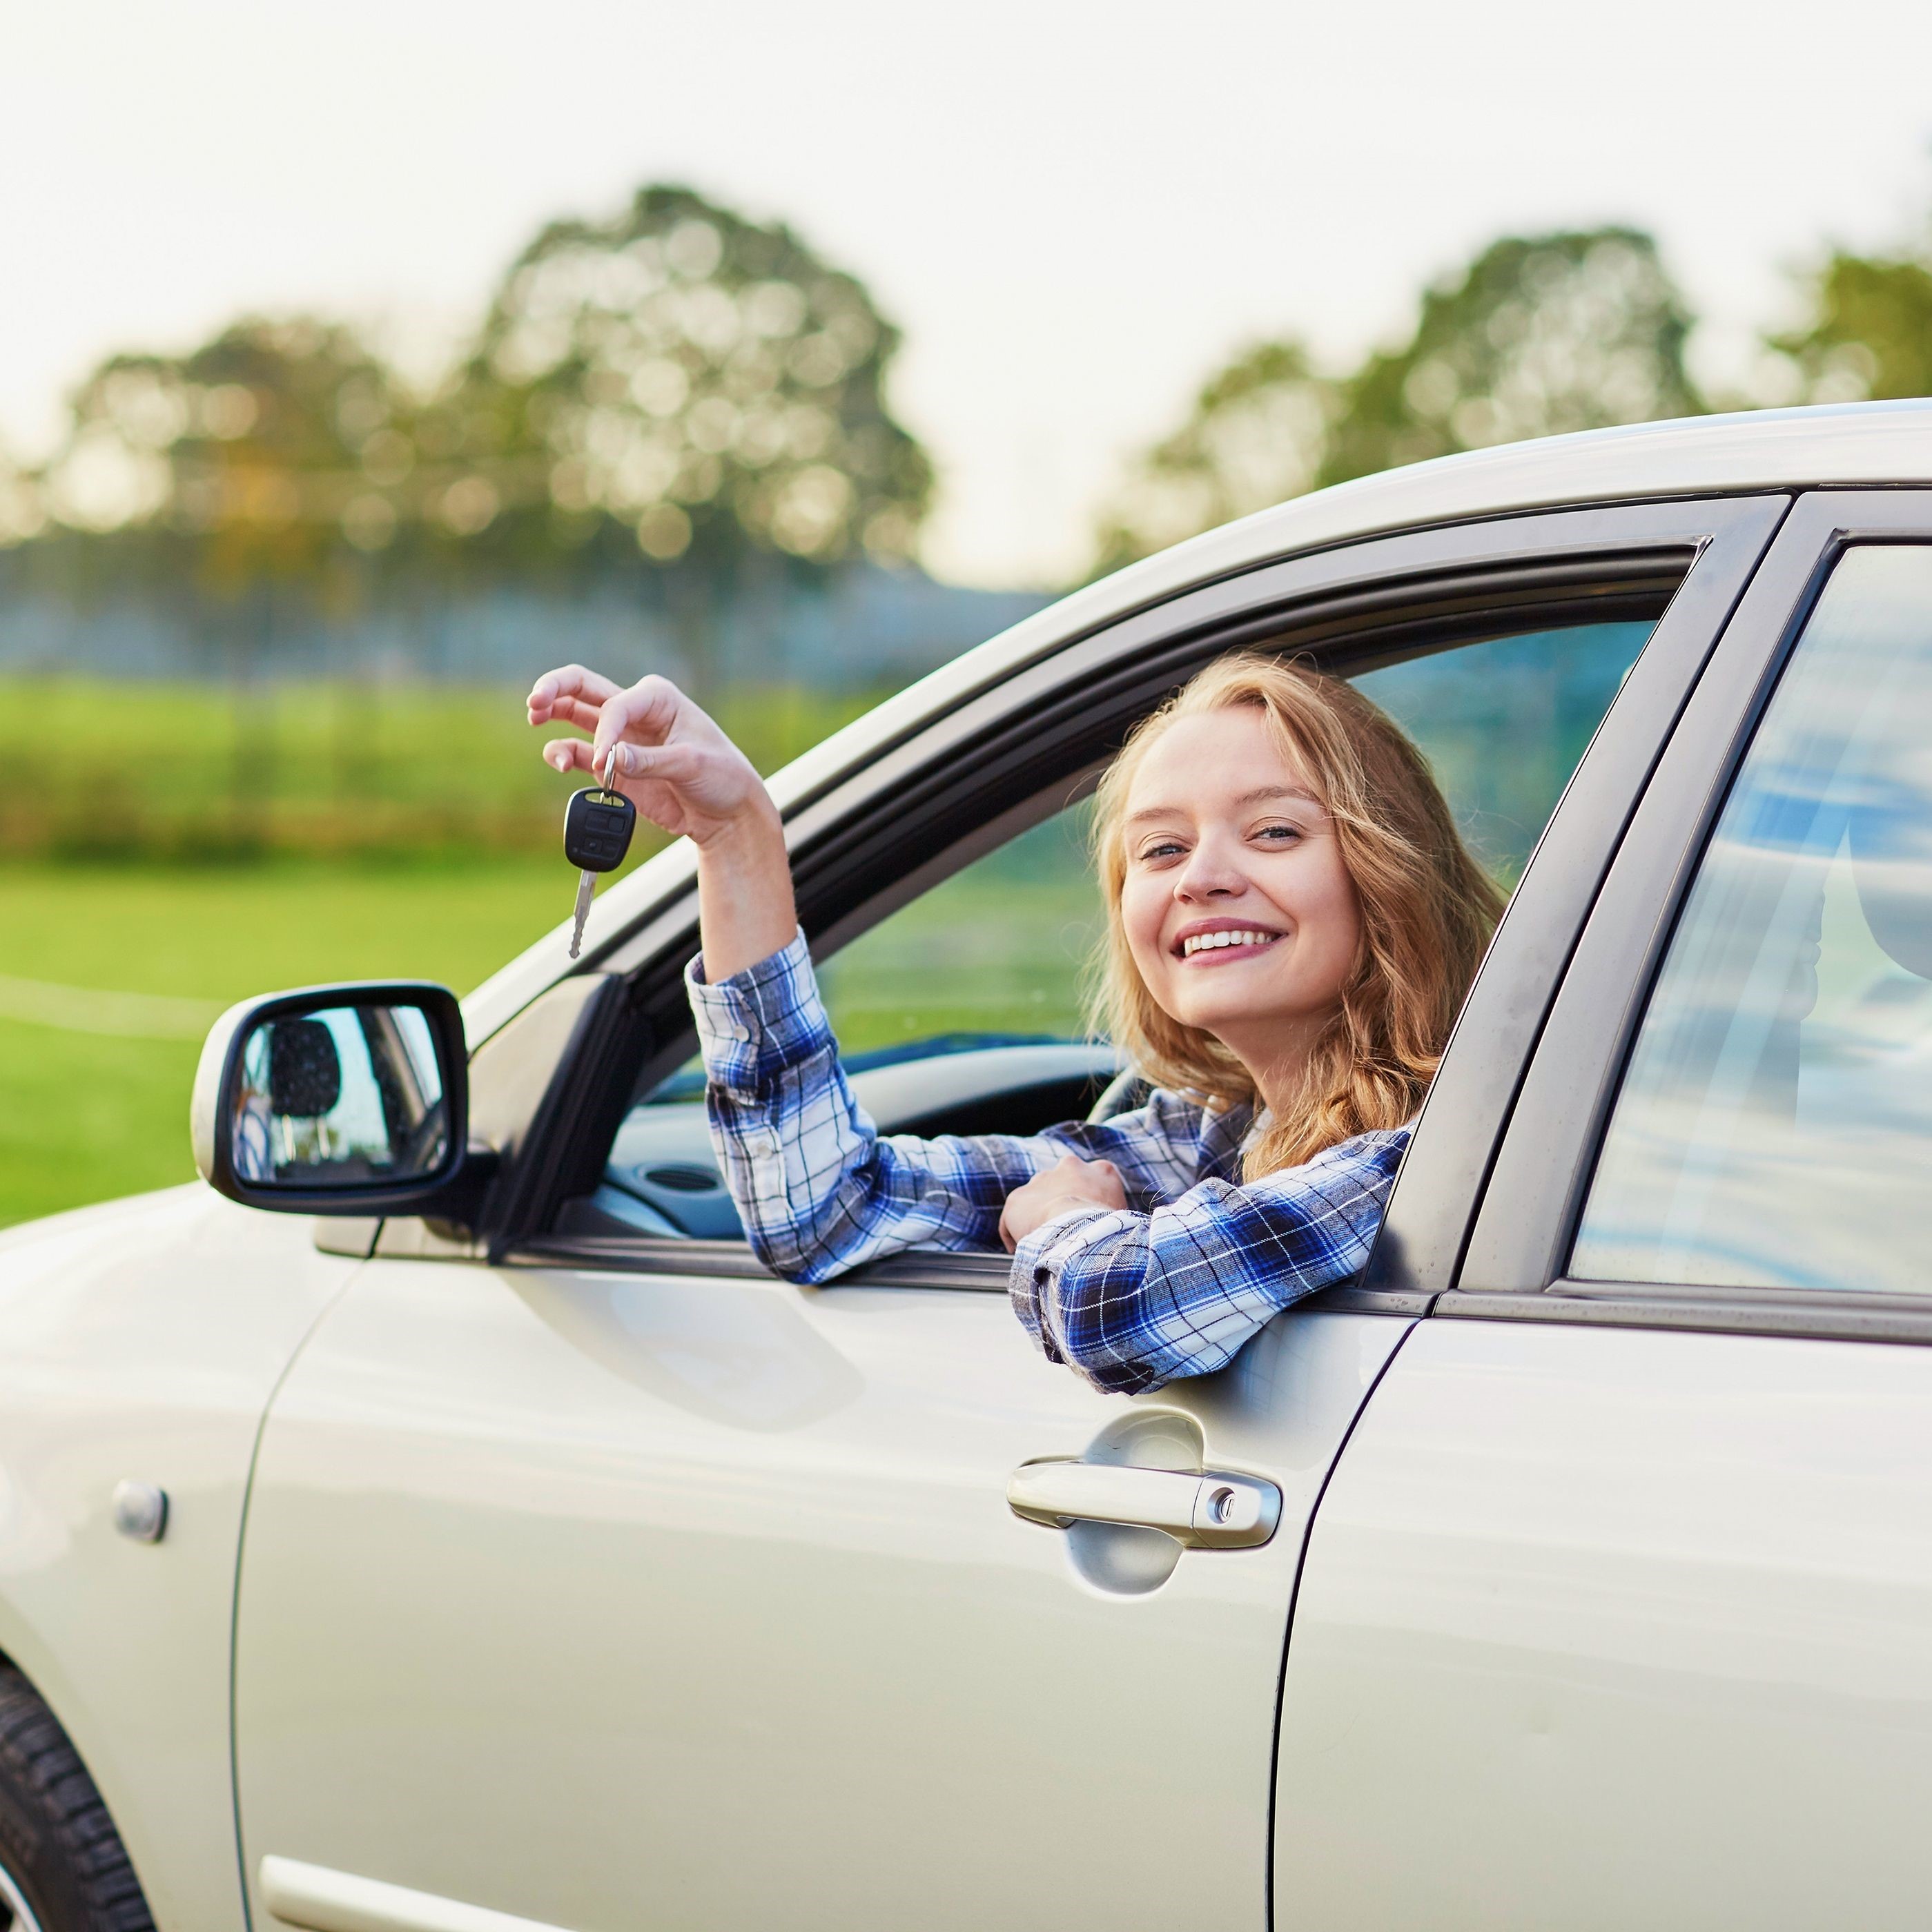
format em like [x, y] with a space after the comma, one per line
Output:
[1280, 834]
[1167, 848]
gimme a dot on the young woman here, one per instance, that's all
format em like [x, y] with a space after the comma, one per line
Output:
[1293, 921]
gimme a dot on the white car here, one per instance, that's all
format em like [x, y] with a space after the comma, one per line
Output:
[479, 1540]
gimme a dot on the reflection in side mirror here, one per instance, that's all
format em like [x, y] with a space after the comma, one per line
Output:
[342, 1099]
[339, 1098]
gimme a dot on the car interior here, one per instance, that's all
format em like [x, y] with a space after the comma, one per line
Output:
[960, 1004]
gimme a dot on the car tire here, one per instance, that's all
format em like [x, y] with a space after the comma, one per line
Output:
[63, 1867]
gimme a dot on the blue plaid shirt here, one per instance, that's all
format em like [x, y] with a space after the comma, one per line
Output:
[1171, 1284]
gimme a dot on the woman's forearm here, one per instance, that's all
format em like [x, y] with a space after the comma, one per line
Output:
[746, 910]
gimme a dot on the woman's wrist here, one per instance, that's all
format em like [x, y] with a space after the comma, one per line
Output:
[745, 906]
[747, 835]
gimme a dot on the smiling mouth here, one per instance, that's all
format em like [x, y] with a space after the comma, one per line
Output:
[1249, 939]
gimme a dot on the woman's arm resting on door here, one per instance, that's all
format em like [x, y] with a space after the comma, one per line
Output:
[1133, 1301]
[821, 1192]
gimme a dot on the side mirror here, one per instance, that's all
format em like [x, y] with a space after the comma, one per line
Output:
[348, 1100]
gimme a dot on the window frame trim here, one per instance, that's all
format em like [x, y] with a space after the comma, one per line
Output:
[1517, 1262]
[994, 748]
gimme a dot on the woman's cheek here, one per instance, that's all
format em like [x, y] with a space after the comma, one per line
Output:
[1141, 920]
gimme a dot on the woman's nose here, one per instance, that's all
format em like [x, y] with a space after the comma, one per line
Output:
[1210, 871]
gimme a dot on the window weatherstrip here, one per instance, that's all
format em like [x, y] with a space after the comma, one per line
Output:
[1827, 1315]
[977, 1274]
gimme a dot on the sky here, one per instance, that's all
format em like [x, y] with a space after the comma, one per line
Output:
[1073, 211]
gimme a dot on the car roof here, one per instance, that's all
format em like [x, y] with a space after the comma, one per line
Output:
[1832, 444]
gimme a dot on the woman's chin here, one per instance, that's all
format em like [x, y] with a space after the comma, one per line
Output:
[1215, 1010]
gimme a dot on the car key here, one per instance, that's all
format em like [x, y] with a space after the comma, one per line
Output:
[597, 828]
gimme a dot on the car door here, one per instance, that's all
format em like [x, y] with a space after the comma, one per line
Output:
[1627, 1566]
[604, 1581]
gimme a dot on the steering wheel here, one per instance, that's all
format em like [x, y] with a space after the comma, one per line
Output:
[1122, 1094]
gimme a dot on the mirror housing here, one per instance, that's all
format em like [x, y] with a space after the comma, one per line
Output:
[350, 1100]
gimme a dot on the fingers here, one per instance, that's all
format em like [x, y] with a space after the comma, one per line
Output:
[1071, 1164]
[1097, 1181]
[568, 754]
[571, 695]
[673, 765]
[643, 715]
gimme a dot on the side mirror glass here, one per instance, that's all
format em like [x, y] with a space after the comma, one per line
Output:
[343, 1099]
[338, 1098]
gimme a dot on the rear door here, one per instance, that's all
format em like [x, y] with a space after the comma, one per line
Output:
[614, 1583]
[1623, 1588]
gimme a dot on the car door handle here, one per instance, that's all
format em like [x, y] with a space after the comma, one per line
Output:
[1205, 1509]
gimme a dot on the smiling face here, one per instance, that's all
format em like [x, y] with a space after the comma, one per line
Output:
[1236, 905]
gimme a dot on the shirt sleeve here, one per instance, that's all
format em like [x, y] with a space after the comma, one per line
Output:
[1133, 1301]
[821, 1191]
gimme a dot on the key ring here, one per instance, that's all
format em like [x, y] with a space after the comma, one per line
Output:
[607, 786]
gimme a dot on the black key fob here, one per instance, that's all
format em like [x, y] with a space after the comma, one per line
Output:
[597, 828]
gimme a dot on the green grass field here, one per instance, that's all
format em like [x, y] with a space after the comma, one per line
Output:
[86, 1116]
[104, 772]
[197, 844]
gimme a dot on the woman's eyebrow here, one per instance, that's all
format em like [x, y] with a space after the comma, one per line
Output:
[1257, 797]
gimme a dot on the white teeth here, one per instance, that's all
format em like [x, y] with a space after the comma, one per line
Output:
[1201, 941]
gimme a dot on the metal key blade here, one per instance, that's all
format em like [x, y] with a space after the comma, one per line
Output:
[587, 884]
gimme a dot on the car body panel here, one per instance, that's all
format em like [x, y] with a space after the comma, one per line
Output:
[607, 1599]
[140, 1341]
[1643, 1621]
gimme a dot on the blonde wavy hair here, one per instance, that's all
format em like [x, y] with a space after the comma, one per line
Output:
[1427, 911]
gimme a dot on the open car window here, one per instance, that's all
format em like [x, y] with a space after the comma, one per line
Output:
[1504, 721]
[996, 954]
[963, 1010]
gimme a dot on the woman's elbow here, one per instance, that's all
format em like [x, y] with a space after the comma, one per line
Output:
[793, 1257]
[1115, 1355]
[780, 1250]
[1113, 1376]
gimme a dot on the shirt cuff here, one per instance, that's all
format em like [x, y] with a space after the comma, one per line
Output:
[1033, 1285]
[1053, 1244]
[764, 1018]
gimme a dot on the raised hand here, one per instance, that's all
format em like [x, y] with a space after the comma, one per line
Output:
[684, 775]
[658, 748]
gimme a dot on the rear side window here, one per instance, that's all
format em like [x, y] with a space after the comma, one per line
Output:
[1774, 1126]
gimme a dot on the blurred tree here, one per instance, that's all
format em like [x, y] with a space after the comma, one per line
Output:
[261, 469]
[272, 455]
[1539, 335]
[1868, 332]
[679, 396]
[690, 384]
[1259, 433]
[22, 515]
